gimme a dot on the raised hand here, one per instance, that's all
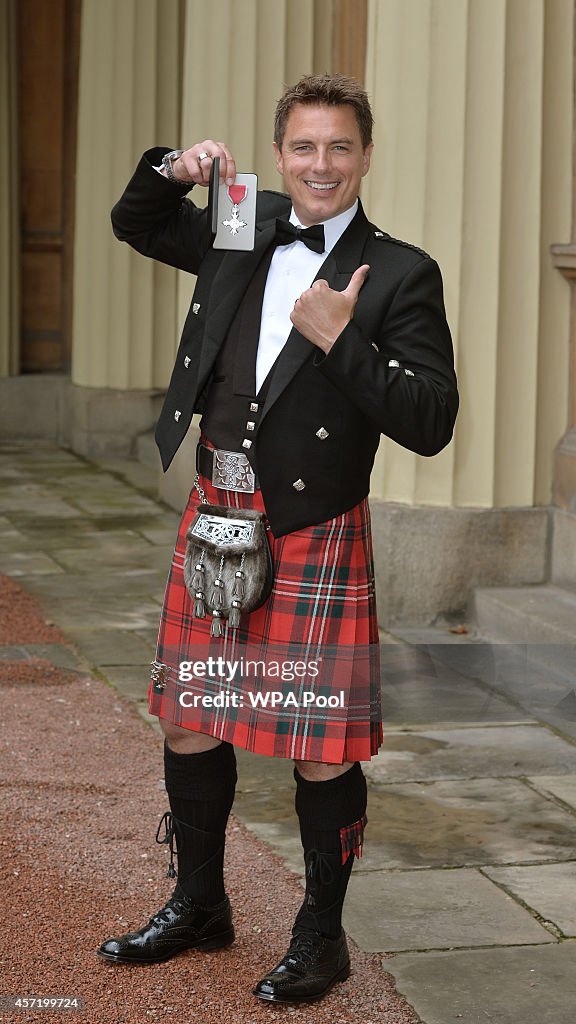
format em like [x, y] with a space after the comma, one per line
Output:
[321, 313]
[195, 163]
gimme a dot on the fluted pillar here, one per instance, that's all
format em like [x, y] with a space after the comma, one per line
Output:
[237, 59]
[564, 259]
[473, 107]
[125, 315]
[564, 487]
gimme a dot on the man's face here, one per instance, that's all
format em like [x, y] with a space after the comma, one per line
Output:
[322, 160]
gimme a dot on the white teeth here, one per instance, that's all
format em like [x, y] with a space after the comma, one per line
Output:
[322, 186]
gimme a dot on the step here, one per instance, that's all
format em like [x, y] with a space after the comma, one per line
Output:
[541, 618]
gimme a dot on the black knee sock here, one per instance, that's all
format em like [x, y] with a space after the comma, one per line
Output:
[332, 817]
[201, 790]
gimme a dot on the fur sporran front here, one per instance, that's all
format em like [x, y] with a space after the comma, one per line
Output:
[228, 563]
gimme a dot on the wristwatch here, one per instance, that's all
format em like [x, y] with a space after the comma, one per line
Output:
[167, 161]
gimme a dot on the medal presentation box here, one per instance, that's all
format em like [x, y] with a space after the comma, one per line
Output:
[232, 210]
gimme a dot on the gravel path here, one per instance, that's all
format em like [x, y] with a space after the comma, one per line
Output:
[81, 793]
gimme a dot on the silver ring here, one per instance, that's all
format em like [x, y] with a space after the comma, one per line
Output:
[202, 156]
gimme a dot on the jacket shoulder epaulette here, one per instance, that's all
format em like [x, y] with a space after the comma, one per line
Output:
[384, 236]
[272, 204]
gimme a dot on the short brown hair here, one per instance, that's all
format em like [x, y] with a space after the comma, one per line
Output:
[330, 91]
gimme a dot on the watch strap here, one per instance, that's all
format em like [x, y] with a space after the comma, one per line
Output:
[167, 162]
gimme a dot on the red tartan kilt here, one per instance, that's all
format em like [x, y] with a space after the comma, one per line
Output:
[322, 607]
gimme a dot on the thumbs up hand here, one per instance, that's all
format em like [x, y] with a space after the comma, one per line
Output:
[321, 314]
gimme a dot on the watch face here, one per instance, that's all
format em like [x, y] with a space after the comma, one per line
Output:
[174, 154]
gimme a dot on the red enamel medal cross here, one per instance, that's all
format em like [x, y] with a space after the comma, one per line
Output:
[237, 195]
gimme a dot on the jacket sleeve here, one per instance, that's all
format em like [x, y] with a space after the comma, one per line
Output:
[154, 216]
[417, 408]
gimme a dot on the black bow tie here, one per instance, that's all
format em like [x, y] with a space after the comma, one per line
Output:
[313, 237]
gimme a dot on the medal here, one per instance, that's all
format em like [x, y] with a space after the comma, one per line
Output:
[230, 230]
[237, 194]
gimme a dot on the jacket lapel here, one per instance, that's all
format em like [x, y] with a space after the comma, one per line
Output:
[337, 269]
[229, 285]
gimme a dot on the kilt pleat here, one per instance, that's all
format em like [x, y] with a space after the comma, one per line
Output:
[321, 611]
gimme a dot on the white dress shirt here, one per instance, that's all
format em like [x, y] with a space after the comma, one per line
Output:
[292, 271]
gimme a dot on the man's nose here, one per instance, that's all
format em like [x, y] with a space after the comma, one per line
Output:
[322, 162]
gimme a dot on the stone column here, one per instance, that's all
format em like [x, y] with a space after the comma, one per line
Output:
[129, 100]
[237, 59]
[564, 259]
[473, 107]
[564, 489]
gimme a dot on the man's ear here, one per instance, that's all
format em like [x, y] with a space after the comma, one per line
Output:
[367, 156]
[279, 160]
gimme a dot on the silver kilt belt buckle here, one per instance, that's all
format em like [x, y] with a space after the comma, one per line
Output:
[232, 471]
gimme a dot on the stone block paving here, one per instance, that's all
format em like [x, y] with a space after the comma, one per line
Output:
[467, 883]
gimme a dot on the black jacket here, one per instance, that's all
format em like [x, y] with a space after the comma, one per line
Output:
[352, 392]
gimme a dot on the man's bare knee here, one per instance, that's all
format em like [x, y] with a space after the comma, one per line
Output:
[317, 771]
[185, 741]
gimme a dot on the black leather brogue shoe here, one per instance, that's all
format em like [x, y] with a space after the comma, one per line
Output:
[181, 924]
[311, 967]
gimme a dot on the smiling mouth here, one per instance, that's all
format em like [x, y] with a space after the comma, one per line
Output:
[322, 186]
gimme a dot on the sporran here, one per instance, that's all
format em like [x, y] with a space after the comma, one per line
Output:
[228, 564]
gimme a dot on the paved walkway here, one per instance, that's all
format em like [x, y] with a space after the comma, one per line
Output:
[469, 871]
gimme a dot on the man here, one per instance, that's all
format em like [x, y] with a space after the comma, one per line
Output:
[300, 355]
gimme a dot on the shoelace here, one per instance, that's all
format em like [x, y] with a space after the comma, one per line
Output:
[174, 904]
[167, 820]
[302, 950]
[319, 867]
[319, 871]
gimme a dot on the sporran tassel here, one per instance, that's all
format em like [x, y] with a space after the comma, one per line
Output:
[234, 616]
[217, 628]
[198, 577]
[239, 585]
[199, 606]
[217, 599]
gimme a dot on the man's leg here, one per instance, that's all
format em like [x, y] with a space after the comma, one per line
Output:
[200, 776]
[331, 807]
